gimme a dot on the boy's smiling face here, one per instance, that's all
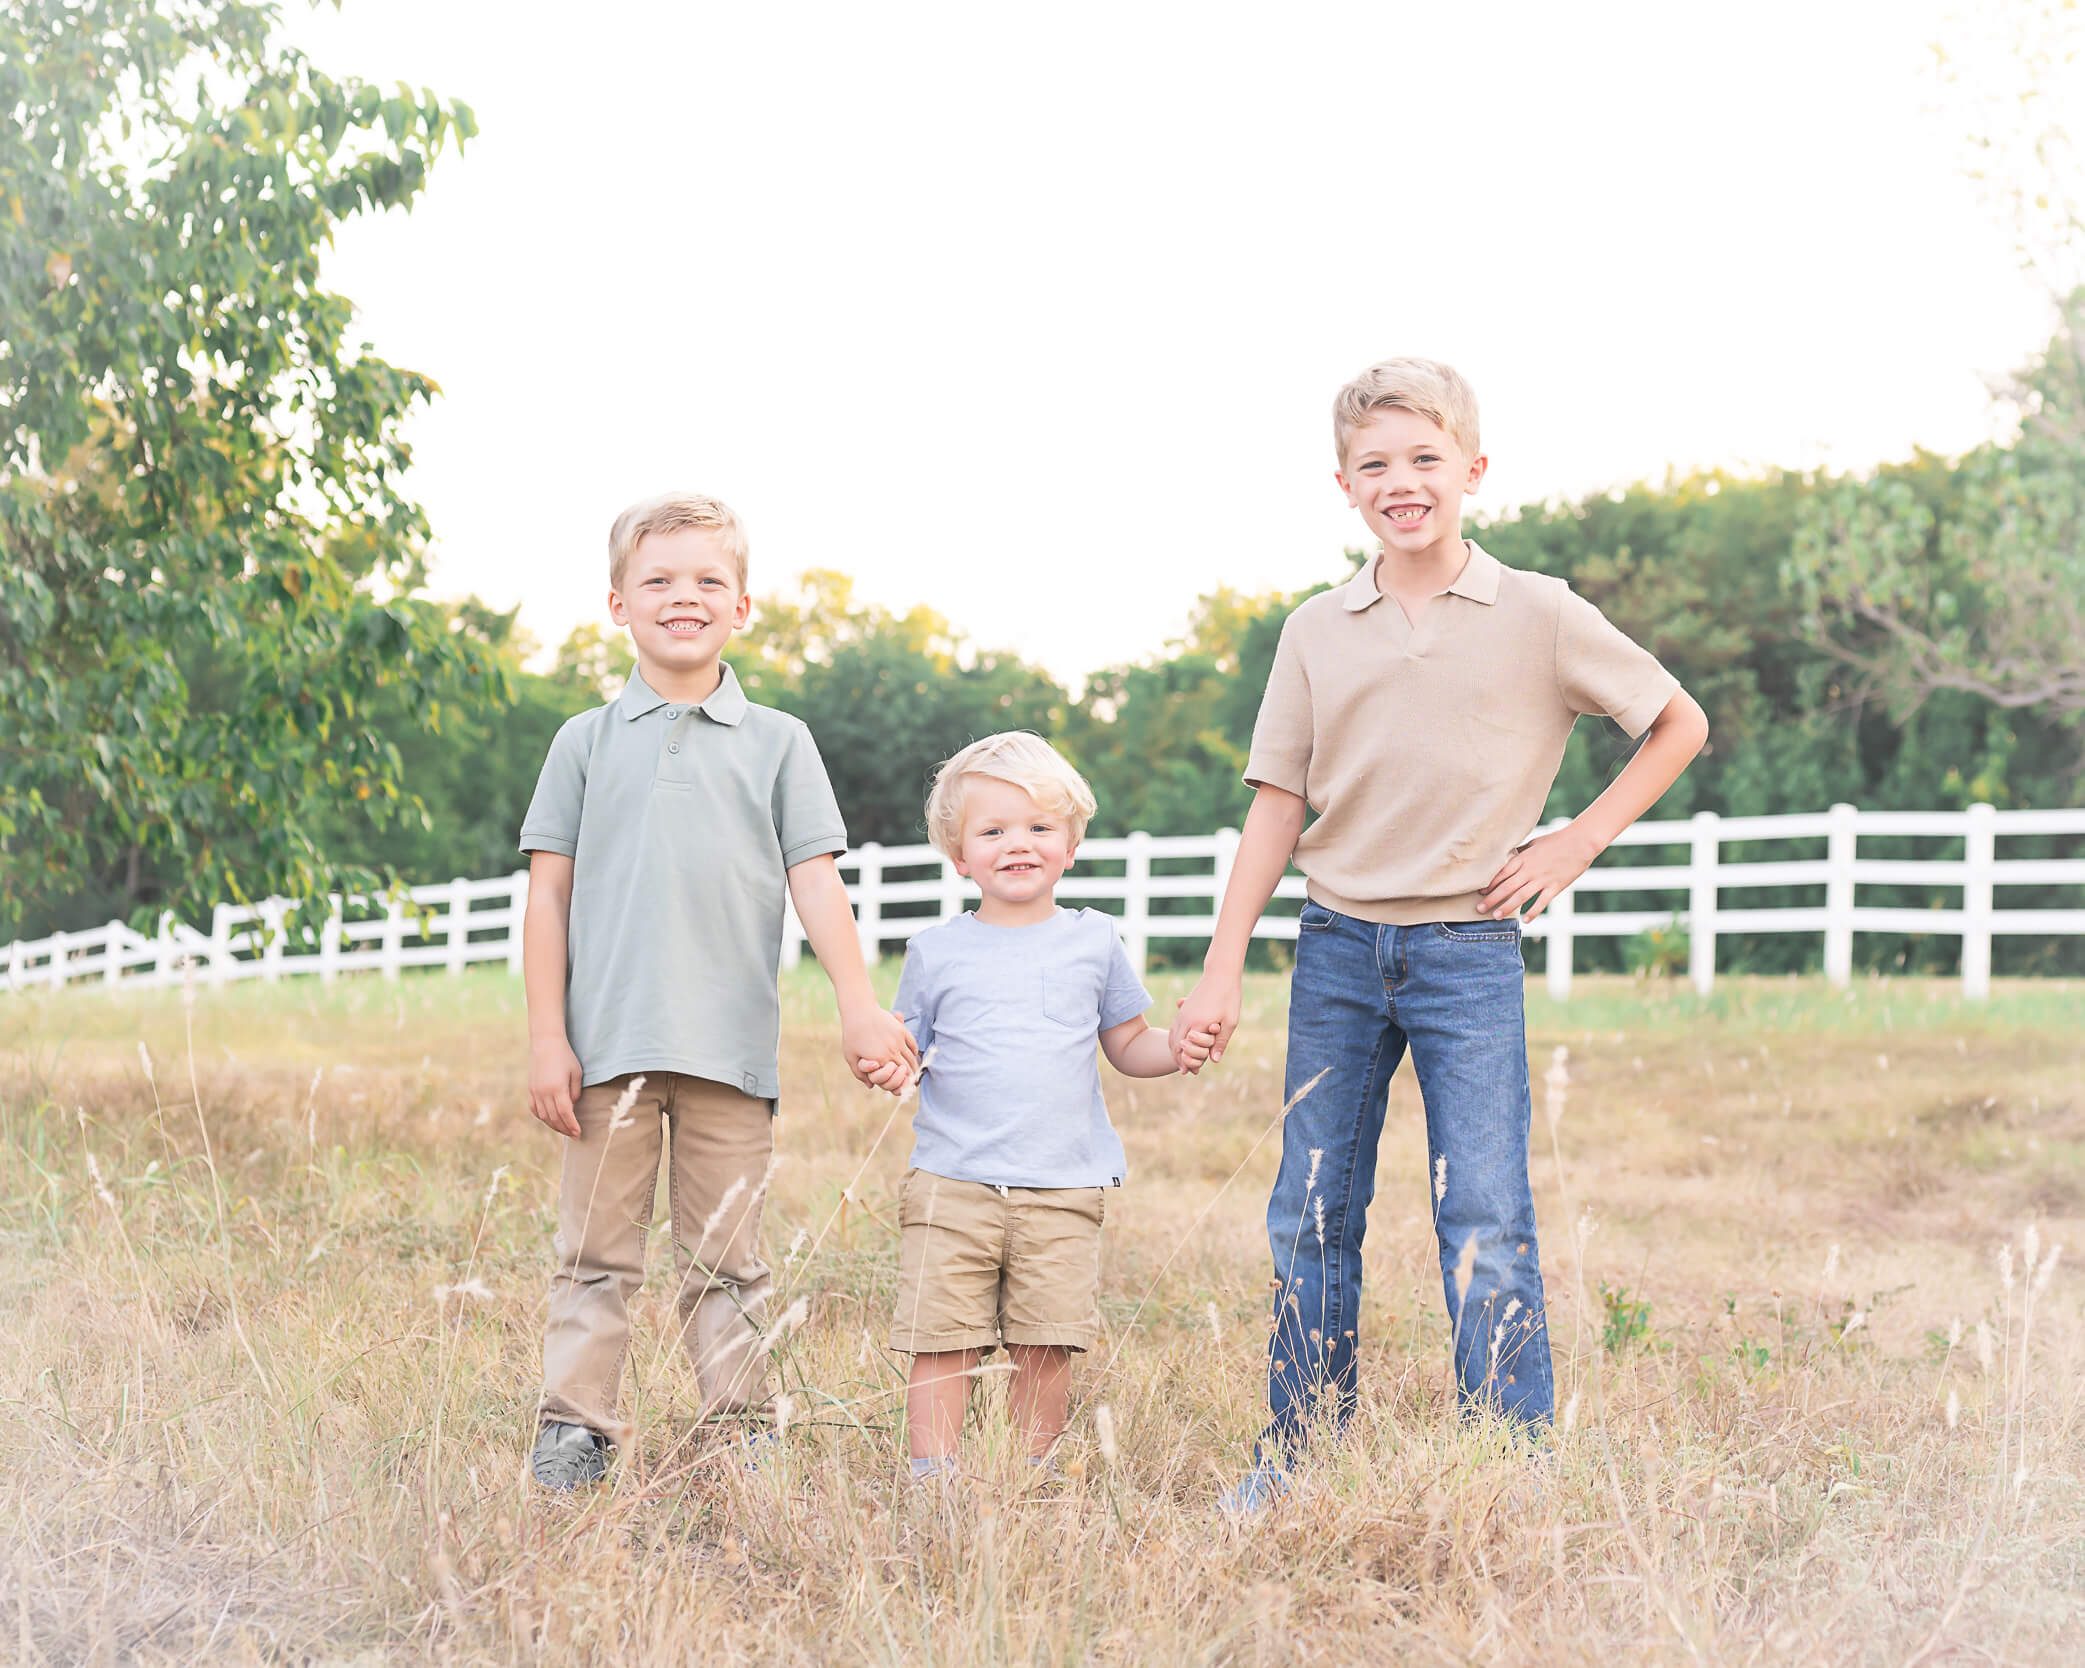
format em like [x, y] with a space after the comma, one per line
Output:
[1408, 477]
[1012, 847]
[681, 600]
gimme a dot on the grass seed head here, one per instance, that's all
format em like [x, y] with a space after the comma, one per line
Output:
[1104, 1430]
[619, 1115]
[731, 1197]
[1465, 1269]
[792, 1317]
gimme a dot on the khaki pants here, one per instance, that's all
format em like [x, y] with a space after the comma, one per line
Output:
[720, 1141]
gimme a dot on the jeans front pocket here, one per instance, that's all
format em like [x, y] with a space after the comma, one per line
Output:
[1315, 917]
[1479, 932]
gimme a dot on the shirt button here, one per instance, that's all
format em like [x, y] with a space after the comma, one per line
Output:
[673, 747]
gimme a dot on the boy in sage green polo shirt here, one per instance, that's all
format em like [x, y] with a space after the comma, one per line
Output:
[1421, 710]
[666, 828]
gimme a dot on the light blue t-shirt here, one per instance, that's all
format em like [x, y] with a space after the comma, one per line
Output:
[1012, 1017]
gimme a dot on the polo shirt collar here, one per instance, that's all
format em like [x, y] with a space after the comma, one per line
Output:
[1478, 581]
[727, 703]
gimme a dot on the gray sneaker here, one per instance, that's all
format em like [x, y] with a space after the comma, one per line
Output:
[569, 1456]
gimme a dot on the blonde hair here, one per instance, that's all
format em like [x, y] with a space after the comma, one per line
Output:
[1426, 387]
[669, 513]
[1029, 763]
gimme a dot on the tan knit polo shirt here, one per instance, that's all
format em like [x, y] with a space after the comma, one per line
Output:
[1428, 751]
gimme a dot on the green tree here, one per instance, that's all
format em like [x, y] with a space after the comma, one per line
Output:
[1988, 599]
[475, 776]
[209, 574]
[1164, 741]
[886, 696]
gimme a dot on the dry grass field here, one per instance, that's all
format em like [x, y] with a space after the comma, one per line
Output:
[275, 1258]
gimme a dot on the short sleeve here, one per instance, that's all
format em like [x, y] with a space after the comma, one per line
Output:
[916, 996]
[1600, 670]
[552, 822]
[1124, 996]
[1280, 755]
[807, 816]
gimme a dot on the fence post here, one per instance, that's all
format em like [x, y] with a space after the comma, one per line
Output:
[517, 913]
[220, 943]
[1838, 893]
[1701, 902]
[951, 901]
[868, 896]
[163, 949]
[112, 962]
[54, 969]
[272, 929]
[14, 965]
[459, 936]
[394, 937]
[1557, 971]
[1136, 901]
[1979, 858]
[1220, 875]
[329, 941]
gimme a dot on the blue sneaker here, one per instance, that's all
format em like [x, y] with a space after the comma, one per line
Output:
[1254, 1492]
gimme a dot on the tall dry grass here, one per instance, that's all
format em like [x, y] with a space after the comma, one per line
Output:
[273, 1303]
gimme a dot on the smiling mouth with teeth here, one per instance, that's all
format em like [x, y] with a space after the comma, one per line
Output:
[1411, 513]
[684, 626]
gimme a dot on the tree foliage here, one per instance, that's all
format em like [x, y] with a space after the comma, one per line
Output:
[886, 696]
[207, 594]
[1985, 595]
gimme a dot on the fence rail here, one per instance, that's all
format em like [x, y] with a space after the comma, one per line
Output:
[454, 924]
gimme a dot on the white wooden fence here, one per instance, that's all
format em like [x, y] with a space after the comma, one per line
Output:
[463, 921]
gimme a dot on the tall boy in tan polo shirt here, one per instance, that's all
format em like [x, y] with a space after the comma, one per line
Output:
[1421, 710]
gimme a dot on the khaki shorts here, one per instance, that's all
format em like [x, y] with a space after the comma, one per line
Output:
[978, 1267]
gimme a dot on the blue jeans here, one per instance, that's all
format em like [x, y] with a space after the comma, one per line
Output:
[1362, 994]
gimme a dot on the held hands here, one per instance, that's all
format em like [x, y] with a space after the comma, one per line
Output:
[878, 1049]
[1539, 871]
[553, 1085]
[1206, 1022]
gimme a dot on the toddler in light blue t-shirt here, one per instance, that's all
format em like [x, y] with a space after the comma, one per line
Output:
[1001, 1209]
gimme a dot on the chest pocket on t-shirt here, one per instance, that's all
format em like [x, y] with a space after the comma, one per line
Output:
[1071, 996]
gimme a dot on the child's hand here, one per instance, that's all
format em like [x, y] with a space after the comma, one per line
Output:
[1538, 871]
[1192, 1051]
[880, 1039]
[1211, 1008]
[553, 1085]
[892, 1076]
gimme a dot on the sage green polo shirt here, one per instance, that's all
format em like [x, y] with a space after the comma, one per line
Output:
[682, 823]
[1428, 751]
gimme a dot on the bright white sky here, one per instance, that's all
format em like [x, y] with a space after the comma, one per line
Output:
[1034, 314]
